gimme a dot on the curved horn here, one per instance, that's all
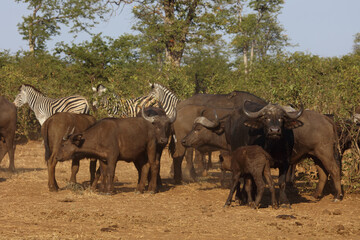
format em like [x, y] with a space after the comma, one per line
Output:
[251, 114]
[150, 119]
[295, 115]
[173, 117]
[67, 133]
[207, 122]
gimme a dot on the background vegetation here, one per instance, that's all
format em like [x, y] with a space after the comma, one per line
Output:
[188, 46]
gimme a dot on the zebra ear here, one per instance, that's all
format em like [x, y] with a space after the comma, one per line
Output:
[94, 89]
[152, 85]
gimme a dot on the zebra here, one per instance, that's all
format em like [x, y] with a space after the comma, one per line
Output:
[117, 106]
[44, 107]
[167, 99]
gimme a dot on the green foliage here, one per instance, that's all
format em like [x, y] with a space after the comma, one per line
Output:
[48, 16]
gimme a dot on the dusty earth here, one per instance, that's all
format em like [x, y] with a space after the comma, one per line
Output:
[189, 211]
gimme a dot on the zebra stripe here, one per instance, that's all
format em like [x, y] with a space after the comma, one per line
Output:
[116, 106]
[44, 107]
[167, 99]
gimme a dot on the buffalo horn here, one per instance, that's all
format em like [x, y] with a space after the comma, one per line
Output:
[295, 115]
[150, 119]
[206, 122]
[252, 114]
[173, 117]
[67, 133]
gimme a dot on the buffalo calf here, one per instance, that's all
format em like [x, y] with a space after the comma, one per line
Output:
[251, 162]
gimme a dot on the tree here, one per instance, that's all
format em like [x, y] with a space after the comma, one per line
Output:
[258, 32]
[169, 25]
[48, 16]
[356, 47]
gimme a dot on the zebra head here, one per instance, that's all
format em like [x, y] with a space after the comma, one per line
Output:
[22, 96]
[156, 90]
[98, 92]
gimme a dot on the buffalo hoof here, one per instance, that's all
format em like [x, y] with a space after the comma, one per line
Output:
[338, 199]
[275, 206]
[227, 204]
[152, 192]
[253, 205]
[138, 192]
[53, 189]
[285, 205]
[106, 193]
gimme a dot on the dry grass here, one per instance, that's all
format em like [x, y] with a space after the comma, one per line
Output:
[190, 211]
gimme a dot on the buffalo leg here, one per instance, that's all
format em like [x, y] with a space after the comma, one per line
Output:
[154, 168]
[260, 185]
[11, 152]
[189, 168]
[334, 170]
[75, 164]
[270, 182]
[53, 186]
[235, 183]
[92, 170]
[110, 173]
[248, 189]
[322, 181]
[143, 176]
[282, 185]
[3, 149]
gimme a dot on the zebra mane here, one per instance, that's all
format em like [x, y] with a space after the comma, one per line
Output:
[32, 87]
[164, 90]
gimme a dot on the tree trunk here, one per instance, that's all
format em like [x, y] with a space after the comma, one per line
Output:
[245, 61]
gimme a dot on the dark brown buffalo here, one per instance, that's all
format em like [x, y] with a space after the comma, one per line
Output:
[183, 125]
[251, 162]
[269, 126]
[188, 110]
[129, 139]
[7, 130]
[317, 138]
[53, 131]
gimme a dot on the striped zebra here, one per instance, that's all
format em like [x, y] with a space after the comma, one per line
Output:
[167, 99]
[44, 107]
[120, 107]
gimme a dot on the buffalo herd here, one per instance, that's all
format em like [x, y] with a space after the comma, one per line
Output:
[252, 134]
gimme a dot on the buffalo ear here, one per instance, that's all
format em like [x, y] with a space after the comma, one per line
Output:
[251, 123]
[293, 123]
[77, 140]
[220, 129]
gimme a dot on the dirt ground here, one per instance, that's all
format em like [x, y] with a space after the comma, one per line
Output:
[189, 211]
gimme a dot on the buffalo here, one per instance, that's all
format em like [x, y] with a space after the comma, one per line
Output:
[188, 110]
[252, 162]
[316, 138]
[129, 139]
[7, 130]
[54, 130]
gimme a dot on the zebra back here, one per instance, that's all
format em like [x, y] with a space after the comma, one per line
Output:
[167, 99]
[44, 107]
[120, 107]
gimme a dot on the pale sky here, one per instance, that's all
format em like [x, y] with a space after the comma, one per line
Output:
[320, 27]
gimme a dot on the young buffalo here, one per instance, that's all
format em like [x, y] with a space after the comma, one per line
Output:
[129, 139]
[251, 162]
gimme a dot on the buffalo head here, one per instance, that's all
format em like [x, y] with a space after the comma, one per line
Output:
[69, 145]
[161, 124]
[205, 133]
[273, 118]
